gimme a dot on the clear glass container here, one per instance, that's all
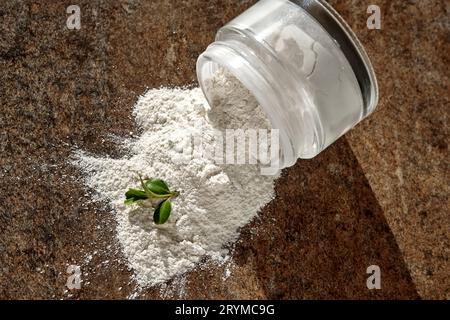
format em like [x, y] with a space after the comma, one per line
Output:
[305, 67]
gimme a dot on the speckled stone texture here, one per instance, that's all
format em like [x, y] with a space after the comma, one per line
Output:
[378, 196]
[403, 147]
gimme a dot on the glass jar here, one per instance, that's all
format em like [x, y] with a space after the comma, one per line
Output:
[305, 67]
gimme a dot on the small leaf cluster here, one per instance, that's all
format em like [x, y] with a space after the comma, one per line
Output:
[156, 190]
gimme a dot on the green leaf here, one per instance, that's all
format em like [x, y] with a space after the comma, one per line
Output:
[134, 195]
[157, 186]
[162, 212]
[129, 201]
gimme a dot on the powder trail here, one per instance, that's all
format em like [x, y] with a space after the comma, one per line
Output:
[215, 200]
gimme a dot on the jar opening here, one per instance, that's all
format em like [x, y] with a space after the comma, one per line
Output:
[219, 55]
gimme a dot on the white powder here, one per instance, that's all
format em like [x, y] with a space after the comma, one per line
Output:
[215, 200]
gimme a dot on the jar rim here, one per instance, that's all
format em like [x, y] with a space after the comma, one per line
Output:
[213, 58]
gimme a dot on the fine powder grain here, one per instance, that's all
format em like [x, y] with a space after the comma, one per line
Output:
[215, 200]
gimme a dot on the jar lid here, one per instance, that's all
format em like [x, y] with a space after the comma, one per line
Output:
[352, 48]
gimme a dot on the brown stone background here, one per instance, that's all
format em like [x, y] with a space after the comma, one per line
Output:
[380, 195]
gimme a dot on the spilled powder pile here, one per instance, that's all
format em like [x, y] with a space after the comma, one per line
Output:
[215, 200]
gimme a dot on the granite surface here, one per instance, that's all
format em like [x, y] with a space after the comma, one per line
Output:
[379, 196]
[403, 147]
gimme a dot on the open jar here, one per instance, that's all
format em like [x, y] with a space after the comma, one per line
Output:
[305, 67]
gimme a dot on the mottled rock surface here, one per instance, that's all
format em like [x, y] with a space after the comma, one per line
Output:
[379, 196]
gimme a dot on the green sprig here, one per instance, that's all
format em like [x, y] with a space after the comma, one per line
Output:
[153, 189]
